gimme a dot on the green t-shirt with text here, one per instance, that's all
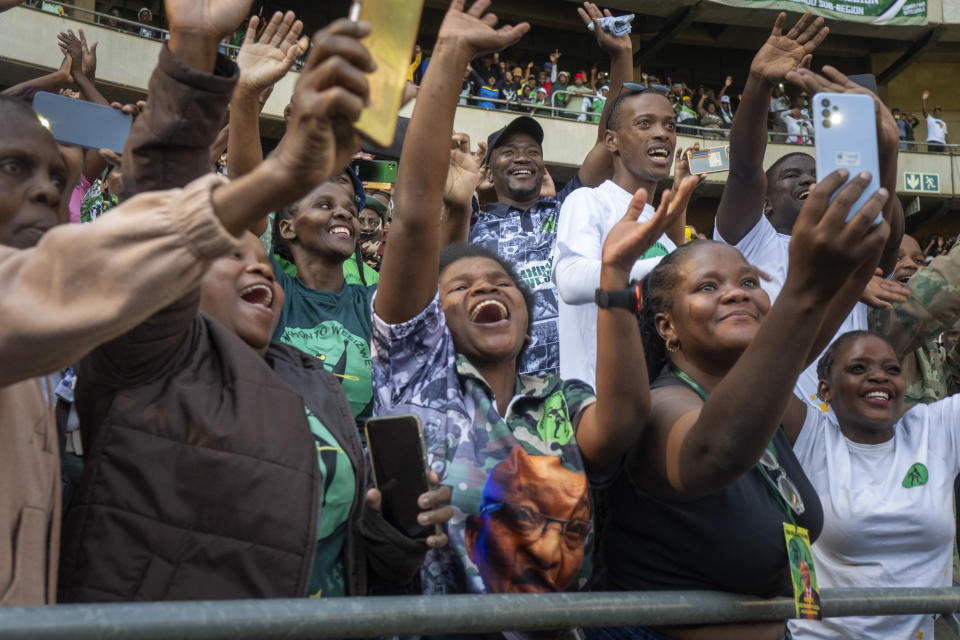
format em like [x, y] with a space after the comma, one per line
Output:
[335, 328]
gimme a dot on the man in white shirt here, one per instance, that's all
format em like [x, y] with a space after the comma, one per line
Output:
[641, 136]
[937, 135]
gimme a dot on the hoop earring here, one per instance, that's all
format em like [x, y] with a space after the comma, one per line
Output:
[673, 348]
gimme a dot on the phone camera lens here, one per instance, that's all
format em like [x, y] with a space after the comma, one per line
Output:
[826, 113]
[826, 123]
[825, 102]
[836, 107]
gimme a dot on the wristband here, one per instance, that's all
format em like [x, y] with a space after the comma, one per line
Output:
[630, 298]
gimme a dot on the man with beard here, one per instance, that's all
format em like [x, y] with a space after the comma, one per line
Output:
[521, 226]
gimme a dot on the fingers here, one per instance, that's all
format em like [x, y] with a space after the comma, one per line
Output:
[489, 19]
[810, 33]
[481, 152]
[292, 37]
[819, 199]
[460, 142]
[111, 157]
[478, 7]
[341, 37]
[250, 36]
[863, 222]
[818, 38]
[684, 192]
[272, 26]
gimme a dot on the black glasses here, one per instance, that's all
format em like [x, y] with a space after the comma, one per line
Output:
[532, 525]
[785, 487]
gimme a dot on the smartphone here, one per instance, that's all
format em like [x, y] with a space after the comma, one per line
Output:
[845, 127]
[382, 171]
[83, 124]
[865, 80]
[394, 25]
[709, 160]
[398, 455]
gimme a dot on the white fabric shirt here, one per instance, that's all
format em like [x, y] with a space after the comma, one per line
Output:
[796, 127]
[877, 532]
[936, 130]
[769, 251]
[586, 217]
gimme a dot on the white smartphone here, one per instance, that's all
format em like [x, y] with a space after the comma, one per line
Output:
[845, 126]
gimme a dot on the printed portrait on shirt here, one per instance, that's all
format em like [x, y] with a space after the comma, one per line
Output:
[530, 533]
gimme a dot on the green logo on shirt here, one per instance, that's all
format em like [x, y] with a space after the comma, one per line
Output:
[554, 424]
[916, 476]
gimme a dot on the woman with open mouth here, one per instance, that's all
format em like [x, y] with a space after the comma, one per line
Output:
[449, 329]
[222, 465]
[885, 481]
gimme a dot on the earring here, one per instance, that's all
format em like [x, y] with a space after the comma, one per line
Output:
[673, 348]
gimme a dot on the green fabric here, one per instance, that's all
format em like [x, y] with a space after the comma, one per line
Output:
[338, 488]
[95, 203]
[335, 328]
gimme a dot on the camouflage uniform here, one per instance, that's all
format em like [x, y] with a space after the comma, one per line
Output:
[416, 370]
[912, 328]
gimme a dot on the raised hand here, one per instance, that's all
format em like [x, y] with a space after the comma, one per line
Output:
[264, 63]
[473, 30]
[832, 81]
[727, 81]
[783, 53]
[825, 248]
[88, 61]
[629, 239]
[71, 46]
[464, 173]
[926, 94]
[209, 19]
[881, 293]
[329, 95]
[608, 42]
[555, 56]
[681, 165]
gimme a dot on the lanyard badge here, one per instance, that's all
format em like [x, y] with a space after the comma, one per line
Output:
[803, 577]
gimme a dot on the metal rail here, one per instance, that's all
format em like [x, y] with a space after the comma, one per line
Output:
[379, 616]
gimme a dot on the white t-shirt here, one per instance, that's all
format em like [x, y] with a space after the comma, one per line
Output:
[779, 104]
[797, 128]
[769, 251]
[887, 514]
[936, 130]
[586, 217]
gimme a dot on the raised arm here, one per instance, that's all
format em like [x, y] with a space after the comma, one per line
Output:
[741, 204]
[923, 102]
[612, 426]
[84, 64]
[53, 81]
[697, 447]
[598, 164]
[411, 256]
[888, 147]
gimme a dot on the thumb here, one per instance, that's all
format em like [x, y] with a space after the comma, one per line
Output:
[373, 499]
[637, 205]
[878, 272]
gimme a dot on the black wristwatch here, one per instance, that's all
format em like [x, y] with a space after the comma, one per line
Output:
[630, 298]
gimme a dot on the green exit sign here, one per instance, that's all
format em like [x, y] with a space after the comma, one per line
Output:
[922, 182]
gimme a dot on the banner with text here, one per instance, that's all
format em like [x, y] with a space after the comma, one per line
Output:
[878, 12]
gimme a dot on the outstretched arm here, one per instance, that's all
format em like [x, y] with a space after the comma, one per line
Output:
[410, 262]
[696, 447]
[741, 204]
[598, 165]
[923, 102]
[613, 425]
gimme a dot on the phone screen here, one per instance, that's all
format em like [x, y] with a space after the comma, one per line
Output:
[394, 25]
[83, 124]
[383, 171]
[398, 456]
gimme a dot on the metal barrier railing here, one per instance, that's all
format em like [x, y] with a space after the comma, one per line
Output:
[408, 615]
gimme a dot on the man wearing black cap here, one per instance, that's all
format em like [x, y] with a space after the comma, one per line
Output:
[521, 226]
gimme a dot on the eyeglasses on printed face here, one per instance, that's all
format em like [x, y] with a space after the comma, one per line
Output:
[532, 525]
[788, 491]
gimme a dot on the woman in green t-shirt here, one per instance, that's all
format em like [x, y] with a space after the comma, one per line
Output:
[324, 314]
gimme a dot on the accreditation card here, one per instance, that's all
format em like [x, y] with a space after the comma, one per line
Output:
[803, 576]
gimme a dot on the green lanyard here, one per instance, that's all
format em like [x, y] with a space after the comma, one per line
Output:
[772, 448]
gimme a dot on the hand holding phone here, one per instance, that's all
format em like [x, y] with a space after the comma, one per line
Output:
[399, 458]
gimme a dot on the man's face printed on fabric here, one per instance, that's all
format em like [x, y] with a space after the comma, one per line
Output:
[532, 528]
